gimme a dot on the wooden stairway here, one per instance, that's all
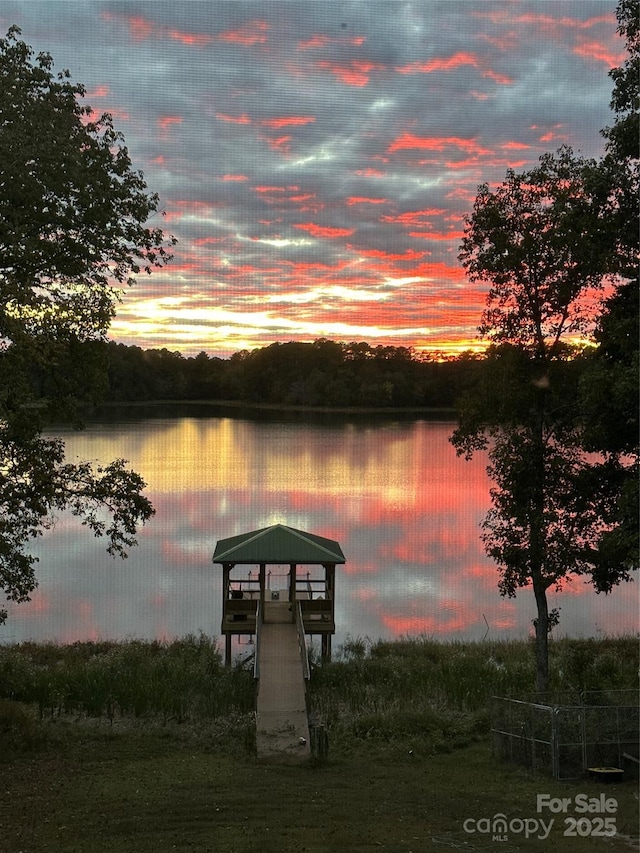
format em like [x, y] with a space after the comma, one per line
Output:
[282, 729]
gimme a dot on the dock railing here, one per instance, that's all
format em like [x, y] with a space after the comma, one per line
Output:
[256, 650]
[302, 642]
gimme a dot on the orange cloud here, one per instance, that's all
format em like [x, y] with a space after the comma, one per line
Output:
[409, 255]
[324, 230]
[444, 272]
[234, 178]
[435, 235]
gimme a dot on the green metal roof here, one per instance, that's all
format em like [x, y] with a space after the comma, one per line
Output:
[277, 544]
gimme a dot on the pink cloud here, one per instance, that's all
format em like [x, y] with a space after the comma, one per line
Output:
[281, 144]
[413, 217]
[440, 64]
[287, 121]
[597, 52]
[355, 73]
[363, 200]
[370, 173]
[253, 32]
[141, 29]
[436, 143]
[99, 92]
[450, 63]
[321, 41]
[241, 119]
[166, 122]
[194, 39]
[500, 79]
[514, 146]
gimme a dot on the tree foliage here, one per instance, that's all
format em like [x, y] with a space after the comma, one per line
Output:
[531, 241]
[320, 374]
[528, 239]
[546, 241]
[73, 232]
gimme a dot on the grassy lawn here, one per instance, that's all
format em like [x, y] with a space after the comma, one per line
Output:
[162, 764]
[149, 791]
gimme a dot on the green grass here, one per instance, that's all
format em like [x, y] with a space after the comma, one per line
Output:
[98, 756]
[182, 680]
[438, 694]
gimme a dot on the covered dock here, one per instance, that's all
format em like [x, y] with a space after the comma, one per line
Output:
[288, 594]
[279, 563]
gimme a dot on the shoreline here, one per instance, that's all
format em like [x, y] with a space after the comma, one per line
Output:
[277, 407]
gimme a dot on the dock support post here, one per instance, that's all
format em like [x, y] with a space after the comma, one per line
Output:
[326, 648]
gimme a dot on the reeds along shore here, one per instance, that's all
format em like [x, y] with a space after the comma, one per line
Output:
[186, 678]
[405, 689]
[440, 693]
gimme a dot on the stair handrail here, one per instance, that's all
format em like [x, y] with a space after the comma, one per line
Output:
[302, 642]
[256, 656]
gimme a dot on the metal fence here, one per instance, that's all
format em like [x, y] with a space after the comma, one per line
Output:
[565, 735]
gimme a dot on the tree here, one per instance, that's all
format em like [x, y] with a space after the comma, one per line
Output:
[529, 240]
[609, 388]
[73, 231]
[543, 245]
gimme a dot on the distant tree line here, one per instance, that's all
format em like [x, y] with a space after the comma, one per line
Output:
[326, 374]
[323, 373]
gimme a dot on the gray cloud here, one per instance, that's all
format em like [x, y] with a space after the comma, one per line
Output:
[297, 145]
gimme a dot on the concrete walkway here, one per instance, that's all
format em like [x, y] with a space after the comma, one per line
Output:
[282, 729]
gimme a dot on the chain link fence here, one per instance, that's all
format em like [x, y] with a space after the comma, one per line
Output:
[567, 734]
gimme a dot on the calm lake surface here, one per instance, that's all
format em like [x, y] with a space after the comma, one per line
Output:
[404, 508]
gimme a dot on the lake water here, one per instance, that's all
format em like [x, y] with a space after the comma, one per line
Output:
[404, 508]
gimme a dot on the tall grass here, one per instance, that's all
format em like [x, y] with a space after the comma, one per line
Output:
[181, 680]
[424, 694]
[439, 693]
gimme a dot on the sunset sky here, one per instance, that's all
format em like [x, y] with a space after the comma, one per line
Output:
[315, 159]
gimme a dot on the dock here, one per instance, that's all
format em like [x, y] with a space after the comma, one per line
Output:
[282, 728]
[279, 609]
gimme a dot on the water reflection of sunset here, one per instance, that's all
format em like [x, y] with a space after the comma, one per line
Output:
[404, 508]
